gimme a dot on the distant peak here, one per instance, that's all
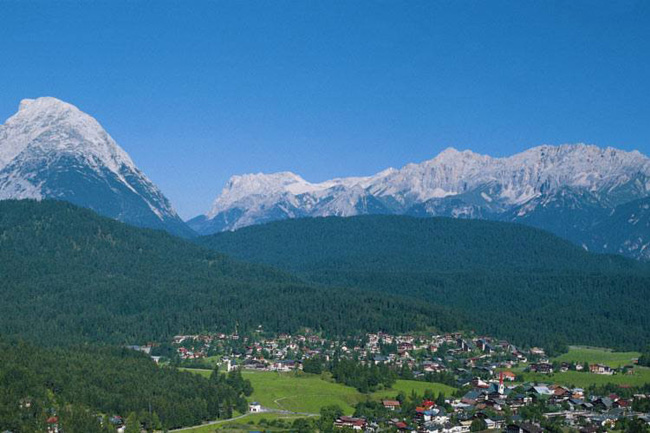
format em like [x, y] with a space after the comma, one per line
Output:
[44, 102]
[25, 103]
[449, 151]
[453, 154]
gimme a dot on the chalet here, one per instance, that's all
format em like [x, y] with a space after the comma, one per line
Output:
[464, 345]
[560, 393]
[495, 403]
[351, 422]
[402, 426]
[284, 365]
[436, 415]
[380, 359]
[477, 382]
[600, 369]
[255, 407]
[577, 393]
[444, 427]
[603, 404]
[541, 367]
[472, 397]
[621, 403]
[391, 404]
[253, 364]
[519, 400]
[486, 347]
[540, 390]
[493, 423]
[509, 375]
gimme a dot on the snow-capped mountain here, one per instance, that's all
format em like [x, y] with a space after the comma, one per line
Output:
[51, 150]
[566, 189]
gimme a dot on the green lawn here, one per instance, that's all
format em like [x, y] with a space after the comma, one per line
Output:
[590, 355]
[595, 355]
[299, 392]
[407, 386]
[583, 380]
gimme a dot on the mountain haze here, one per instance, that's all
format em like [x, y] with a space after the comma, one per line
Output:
[51, 150]
[568, 190]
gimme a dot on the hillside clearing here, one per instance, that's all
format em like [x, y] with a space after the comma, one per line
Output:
[306, 393]
[597, 355]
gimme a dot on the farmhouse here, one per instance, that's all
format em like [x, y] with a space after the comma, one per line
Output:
[600, 369]
[348, 421]
[391, 404]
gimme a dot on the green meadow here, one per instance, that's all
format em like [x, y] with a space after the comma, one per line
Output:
[408, 386]
[595, 355]
[300, 392]
[582, 379]
[307, 393]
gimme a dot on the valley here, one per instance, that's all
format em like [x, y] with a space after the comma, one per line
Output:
[323, 322]
[422, 216]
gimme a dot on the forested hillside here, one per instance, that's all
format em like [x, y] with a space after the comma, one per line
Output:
[75, 384]
[69, 275]
[510, 280]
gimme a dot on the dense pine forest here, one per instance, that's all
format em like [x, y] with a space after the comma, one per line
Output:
[76, 384]
[70, 276]
[509, 280]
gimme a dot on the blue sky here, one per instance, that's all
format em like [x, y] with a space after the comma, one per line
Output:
[199, 91]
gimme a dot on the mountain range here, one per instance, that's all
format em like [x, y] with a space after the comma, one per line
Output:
[595, 197]
[598, 198]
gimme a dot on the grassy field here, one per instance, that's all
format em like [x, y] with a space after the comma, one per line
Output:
[300, 392]
[583, 380]
[407, 386]
[308, 393]
[591, 355]
[595, 355]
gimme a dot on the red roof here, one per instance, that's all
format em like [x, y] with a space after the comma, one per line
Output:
[52, 420]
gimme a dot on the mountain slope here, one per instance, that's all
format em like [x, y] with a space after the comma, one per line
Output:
[69, 275]
[626, 230]
[507, 278]
[50, 149]
[564, 189]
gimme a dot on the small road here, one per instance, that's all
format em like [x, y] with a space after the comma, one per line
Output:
[263, 411]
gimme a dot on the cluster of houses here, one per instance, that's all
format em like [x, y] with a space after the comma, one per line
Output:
[464, 357]
[481, 365]
[499, 407]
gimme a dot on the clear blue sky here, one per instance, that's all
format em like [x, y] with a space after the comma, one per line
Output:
[198, 91]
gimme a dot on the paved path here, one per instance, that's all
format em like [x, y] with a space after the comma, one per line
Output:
[264, 410]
